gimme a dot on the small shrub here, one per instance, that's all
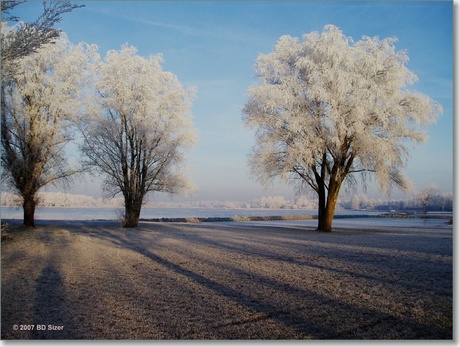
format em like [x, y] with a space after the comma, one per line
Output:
[5, 235]
[192, 220]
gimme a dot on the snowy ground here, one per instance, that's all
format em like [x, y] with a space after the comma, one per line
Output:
[267, 280]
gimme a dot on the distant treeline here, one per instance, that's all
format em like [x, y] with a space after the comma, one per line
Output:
[439, 202]
[52, 199]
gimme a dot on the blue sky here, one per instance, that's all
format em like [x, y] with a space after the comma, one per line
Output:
[213, 45]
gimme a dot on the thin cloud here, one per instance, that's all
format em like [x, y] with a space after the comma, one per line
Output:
[218, 33]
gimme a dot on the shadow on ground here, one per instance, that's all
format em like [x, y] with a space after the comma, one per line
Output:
[222, 281]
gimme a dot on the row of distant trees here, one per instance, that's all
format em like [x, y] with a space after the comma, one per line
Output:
[59, 199]
[418, 203]
[436, 202]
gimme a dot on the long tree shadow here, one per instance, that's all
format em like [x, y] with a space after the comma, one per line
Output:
[50, 320]
[270, 311]
[295, 319]
[347, 255]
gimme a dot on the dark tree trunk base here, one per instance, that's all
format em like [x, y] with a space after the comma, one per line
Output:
[131, 218]
[29, 212]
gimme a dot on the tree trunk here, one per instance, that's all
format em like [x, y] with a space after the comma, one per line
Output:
[321, 209]
[325, 223]
[131, 219]
[326, 216]
[321, 194]
[29, 211]
[132, 214]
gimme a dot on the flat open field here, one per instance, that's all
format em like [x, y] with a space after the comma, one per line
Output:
[96, 280]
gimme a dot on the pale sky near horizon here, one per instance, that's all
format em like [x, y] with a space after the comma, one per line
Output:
[213, 45]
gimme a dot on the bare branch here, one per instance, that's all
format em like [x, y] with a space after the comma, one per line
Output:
[26, 38]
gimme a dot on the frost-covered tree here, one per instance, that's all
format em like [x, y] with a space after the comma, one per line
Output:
[327, 109]
[137, 128]
[25, 38]
[38, 106]
[426, 195]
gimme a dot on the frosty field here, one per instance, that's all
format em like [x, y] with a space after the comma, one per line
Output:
[96, 280]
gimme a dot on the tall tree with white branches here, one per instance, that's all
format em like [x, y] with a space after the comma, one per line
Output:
[137, 127]
[328, 109]
[18, 43]
[39, 105]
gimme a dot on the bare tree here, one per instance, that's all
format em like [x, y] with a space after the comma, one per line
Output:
[136, 128]
[38, 105]
[327, 109]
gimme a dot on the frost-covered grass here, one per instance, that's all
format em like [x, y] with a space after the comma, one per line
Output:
[226, 281]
